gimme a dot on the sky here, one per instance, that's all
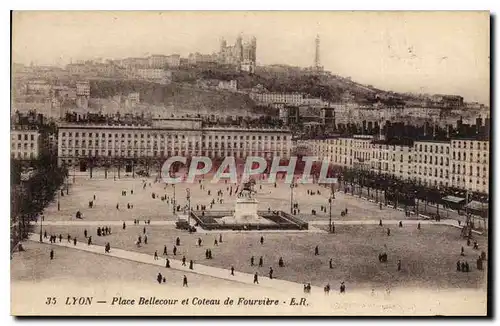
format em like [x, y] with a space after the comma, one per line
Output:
[421, 52]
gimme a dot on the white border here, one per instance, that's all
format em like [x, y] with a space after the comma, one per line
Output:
[192, 5]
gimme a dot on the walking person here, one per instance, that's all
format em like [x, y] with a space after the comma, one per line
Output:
[184, 281]
[232, 270]
[255, 278]
[156, 255]
[51, 254]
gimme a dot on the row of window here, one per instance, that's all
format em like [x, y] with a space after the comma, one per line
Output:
[23, 155]
[464, 156]
[169, 136]
[26, 137]
[470, 144]
[25, 146]
[420, 147]
[141, 153]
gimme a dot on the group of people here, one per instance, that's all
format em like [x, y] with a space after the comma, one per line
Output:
[103, 231]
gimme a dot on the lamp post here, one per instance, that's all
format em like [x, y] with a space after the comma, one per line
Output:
[330, 223]
[188, 197]
[173, 185]
[41, 228]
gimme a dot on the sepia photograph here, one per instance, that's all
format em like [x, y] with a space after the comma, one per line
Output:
[250, 163]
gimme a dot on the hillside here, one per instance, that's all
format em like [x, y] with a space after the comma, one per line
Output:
[280, 78]
[180, 98]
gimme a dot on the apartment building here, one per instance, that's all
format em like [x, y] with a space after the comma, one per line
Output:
[25, 143]
[168, 137]
[470, 164]
[459, 163]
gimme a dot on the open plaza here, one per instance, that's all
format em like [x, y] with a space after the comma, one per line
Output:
[421, 254]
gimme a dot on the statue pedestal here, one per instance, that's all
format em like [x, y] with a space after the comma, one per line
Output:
[245, 212]
[246, 209]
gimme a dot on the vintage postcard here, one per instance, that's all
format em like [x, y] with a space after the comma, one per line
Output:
[190, 163]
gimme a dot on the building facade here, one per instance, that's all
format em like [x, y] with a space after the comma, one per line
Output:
[470, 164]
[165, 138]
[432, 163]
[25, 143]
[242, 54]
[458, 163]
[271, 98]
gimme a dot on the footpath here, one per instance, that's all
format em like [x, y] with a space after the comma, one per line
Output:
[220, 273]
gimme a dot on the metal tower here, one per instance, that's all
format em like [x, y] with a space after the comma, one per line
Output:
[317, 63]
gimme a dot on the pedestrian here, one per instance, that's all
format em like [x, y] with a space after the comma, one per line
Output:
[479, 263]
[164, 250]
[462, 252]
[167, 263]
[342, 287]
[232, 270]
[74, 241]
[380, 222]
[261, 261]
[45, 235]
[178, 241]
[209, 253]
[124, 226]
[191, 264]
[145, 239]
[255, 278]
[51, 254]
[331, 263]
[199, 242]
[280, 262]
[316, 251]
[418, 226]
[175, 251]
[107, 248]
[85, 233]
[327, 288]
[271, 273]
[399, 265]
[261, 240]
[183, 260]
[159, 278]
[216, 243]
[400, 224]
[90, 241]
[185, 281]
[156, 255]
[144, 230]
[388, 232]
[69, 238]
[251, 261]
